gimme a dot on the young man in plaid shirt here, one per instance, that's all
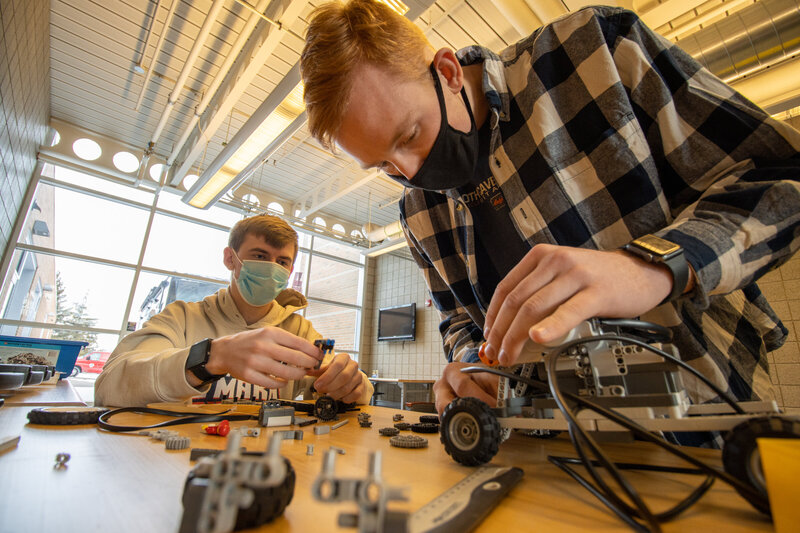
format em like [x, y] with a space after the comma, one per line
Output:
[528, 170]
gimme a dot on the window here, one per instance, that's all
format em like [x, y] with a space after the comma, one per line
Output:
[80, 250]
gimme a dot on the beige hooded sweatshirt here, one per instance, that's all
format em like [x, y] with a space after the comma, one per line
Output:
[149, 364]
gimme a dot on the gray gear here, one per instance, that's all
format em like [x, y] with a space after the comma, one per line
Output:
[177, 443]
[404, 426]
[408, 441]
[388, 432]
[397, 418]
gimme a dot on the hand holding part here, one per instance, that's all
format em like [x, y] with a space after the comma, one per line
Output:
[268, 357]
[554, 288]
[340, 379]
[454, 383]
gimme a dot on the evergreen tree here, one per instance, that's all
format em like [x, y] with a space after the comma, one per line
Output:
[73, 316]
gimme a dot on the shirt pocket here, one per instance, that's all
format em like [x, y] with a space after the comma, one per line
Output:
[614, 187]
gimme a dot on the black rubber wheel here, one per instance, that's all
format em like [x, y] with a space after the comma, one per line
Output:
[75, 371]
[65, 416]
[429, 419]
[741, 458]
[425, 428]
[268, 503]
[325, 408]
[470, 431]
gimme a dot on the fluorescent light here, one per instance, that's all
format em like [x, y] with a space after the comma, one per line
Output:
[268, 123]
[398, 6]
[386, 247]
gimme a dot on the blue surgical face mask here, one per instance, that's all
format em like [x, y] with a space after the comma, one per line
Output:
[260, 282]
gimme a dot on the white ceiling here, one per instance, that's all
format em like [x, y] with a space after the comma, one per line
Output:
[95, 45]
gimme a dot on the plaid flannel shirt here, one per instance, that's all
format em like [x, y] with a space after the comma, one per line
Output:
[603, 131]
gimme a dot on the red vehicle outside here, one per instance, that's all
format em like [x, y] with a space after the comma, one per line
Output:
[92, 362]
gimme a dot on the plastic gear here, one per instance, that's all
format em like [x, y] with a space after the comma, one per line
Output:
[397, 418]
[429, 419]
[408, 441]
[60, 416]
[425, 428]
[177, 443]
[388, 432]
[325, 408]
[404, 426]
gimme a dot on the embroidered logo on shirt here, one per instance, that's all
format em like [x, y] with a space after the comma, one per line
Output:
[486, 191]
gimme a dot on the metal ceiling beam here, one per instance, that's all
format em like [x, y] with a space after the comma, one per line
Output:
[253, 59]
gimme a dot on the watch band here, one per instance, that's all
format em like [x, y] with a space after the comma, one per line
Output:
[196, 362]
[654, 249]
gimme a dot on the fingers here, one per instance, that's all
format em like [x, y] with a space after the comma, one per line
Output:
[537, 307]
[454, 383]
[509, 282]
[301, 350]
[341, 379]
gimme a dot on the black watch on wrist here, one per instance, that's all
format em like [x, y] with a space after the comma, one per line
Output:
[196, 362]
[657, 250]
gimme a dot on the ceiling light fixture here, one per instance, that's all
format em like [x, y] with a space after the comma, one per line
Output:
[268, 127]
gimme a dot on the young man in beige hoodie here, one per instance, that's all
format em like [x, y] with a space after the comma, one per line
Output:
[244, 342]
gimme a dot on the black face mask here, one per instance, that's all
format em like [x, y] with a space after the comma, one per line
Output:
[452, 159]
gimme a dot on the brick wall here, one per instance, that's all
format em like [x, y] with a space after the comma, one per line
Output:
[24, 99]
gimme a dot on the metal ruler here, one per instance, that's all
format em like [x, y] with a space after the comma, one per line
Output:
[464, 505]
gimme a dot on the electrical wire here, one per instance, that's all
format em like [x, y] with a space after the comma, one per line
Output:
[582, 441]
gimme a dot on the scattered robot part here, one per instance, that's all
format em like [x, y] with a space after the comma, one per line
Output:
[460, 508]
[388, 432]
[322, 430]
[408, 441]
[302, 422]
[234, 491]
[291, 434]
[402, 426]
[7, 443]
[160, 434]
[65, 416]
[339, 424]
[61, 461]
[624, 377]
[309, 449]
[364, 420]
[222, 429]
[272, 413]
[338, 450]
[397, 417]
[325, 408]
[429, 419]
[425, 428]
[370, 493]
[326, 345]
[177, 443]
[250, 432]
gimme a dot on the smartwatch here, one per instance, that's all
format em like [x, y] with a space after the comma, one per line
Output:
[657, 250]
[196, 362]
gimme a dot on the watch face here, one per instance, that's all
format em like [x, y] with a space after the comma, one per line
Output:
[656, 245]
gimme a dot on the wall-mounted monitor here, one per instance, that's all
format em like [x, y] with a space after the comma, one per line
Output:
[397, 323]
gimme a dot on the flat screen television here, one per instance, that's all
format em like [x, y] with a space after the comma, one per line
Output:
[397, 323]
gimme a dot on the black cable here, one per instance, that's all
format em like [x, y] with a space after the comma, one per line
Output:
[638, 430]
[581, 439]
[185, 418]
[653, 332]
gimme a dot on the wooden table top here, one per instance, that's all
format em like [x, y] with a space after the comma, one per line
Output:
[126, 482]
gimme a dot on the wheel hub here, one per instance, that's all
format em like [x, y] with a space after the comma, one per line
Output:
[464, 432]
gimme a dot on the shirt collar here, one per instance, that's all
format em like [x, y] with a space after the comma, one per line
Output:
[494, 80]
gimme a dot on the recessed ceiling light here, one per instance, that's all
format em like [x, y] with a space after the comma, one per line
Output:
[86, 149]
[189, 180]
[126, 162]
[155, 171]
